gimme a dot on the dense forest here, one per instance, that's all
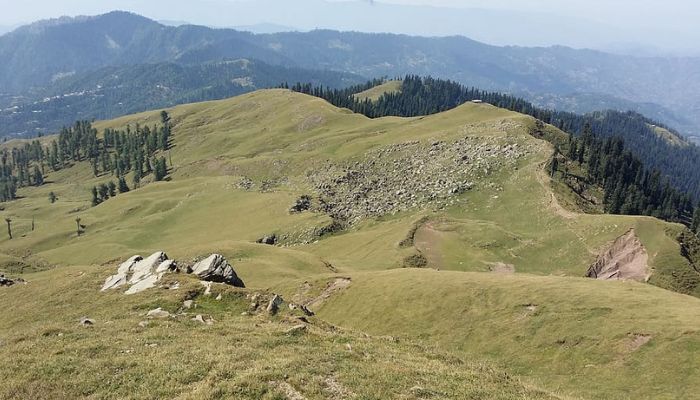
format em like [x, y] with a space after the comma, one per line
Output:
[117, 153]
[631, 181]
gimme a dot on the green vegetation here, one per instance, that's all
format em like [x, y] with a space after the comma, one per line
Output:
[243, 357]
[506, 316]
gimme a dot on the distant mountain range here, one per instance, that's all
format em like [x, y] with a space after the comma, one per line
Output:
[39, 59]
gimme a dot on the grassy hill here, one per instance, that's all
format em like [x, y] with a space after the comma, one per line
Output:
[463, 193]
[376, 92]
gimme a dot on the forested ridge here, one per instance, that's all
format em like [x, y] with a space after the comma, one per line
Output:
[138, 151]
[649, 178]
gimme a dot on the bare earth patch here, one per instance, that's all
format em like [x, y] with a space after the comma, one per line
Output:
[427, 241]
[502, 268]
[625, 259]
[288, 390]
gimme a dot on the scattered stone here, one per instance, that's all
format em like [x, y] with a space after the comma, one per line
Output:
[207, 287]
[302, 204]
[409, 175]
[85, 321]
[219, 297]
[158, 313]
[6, 281]
[301, 307]
[269, 240]
[206, 321]
[215, 268]
[296, 329]
[144, 324]
[187, 304]
[274, 304]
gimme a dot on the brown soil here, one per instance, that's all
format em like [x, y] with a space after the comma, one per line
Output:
[625, 259]
[427, 241]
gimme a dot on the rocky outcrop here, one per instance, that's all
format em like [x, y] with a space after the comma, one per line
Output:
[144, 273]
[625, 259]
[141, 273]
[215, 268]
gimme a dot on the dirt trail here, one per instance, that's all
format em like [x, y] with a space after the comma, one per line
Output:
[332, 287]
[546, 181]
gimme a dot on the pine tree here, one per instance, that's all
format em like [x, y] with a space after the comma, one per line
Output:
[103, 190]
[52, 197]
[161, 170]
[137, 179]
[95, 199]
[38, 177]
[123, 188]
[112, 188]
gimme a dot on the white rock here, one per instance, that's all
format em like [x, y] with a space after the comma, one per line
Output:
[125, 267]
[114, 282]
[165, 266]
[215, 268]
[147, 266]
[145, 283]
[158, 313]
[274, 304]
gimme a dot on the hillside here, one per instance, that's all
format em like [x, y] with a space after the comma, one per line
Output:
[31, 57]
[463, 194]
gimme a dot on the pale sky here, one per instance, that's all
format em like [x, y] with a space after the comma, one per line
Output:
[658, 24]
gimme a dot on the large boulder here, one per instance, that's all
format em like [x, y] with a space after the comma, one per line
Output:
[141, 273]
[215, 268]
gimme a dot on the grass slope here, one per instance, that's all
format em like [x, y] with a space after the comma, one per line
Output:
[49, 355]
[270, 140]
[587, 339]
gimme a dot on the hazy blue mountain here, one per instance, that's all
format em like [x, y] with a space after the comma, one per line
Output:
[42, 54]
[113, 91]
[266, 27]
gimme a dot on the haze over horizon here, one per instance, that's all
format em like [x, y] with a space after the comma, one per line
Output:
[625, 26]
